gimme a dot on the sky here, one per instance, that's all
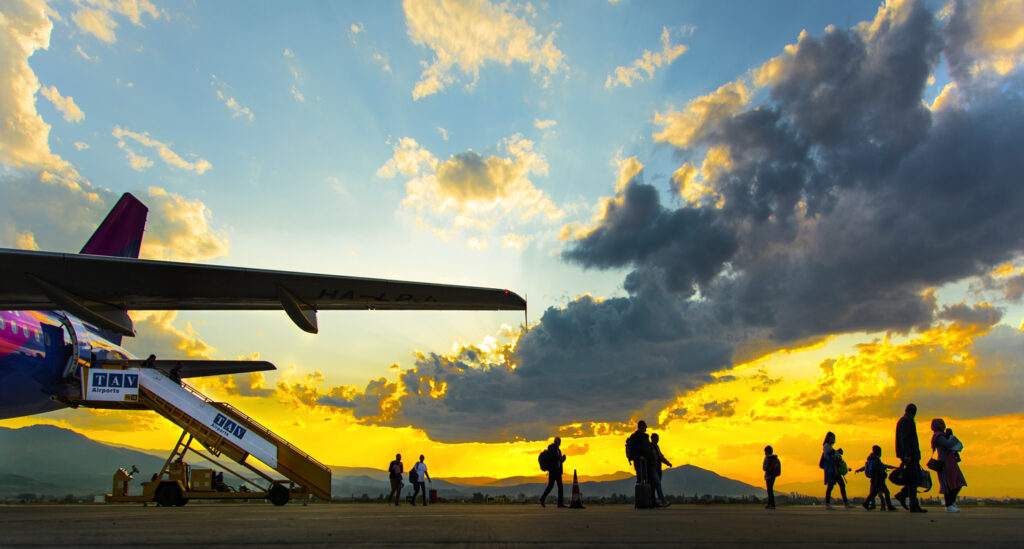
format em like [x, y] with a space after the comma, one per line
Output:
[747, 223]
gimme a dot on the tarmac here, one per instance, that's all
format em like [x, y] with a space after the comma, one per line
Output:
[472, 525]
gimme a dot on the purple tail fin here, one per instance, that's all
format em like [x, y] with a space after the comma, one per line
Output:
[120, 234]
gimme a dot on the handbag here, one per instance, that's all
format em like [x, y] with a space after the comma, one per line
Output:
[936, 465]
[896, 476]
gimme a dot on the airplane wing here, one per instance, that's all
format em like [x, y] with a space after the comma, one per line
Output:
[100, 289]
[201, 368]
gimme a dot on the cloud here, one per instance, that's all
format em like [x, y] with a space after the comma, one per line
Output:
[296, 77]
[984, 39]
[159, 333]
[66, 105]
[81, 146]
[179, 229]
[467, 34]
[682, 128]
[24, 136]
[236, 108]
[832, 213]
[471, 191]
[836, 204]
[86, 56]
[543, 124]
[647, 63]
[170, 157]
[95, 17]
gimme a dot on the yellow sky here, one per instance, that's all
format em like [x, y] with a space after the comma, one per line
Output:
[854, 386]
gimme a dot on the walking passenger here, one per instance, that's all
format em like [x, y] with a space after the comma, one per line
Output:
[875, 470]
[829, 461]
[659, 458]
[555, 460]
[772, 469]
[951, 478]
[908, 449]
[420, 471]
[395, 471]
[639, 451]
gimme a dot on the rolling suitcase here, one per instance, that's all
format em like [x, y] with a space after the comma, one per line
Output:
[642, 493]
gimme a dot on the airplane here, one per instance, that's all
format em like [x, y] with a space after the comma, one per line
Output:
[63, 318]
[59, 312]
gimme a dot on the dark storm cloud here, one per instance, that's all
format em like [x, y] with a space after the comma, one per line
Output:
[983, 316]
[593, 361]
[846, 196]
[844, 200]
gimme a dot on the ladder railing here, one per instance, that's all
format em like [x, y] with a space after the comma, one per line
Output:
[293, 463]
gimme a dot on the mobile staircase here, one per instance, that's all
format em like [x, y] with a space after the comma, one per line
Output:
[223, 431]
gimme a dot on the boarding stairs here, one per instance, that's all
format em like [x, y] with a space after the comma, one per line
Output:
[225, 431]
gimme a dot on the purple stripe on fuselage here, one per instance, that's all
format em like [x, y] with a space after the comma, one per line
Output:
[34, 352]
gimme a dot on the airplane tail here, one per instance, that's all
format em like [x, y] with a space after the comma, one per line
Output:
[120, 234]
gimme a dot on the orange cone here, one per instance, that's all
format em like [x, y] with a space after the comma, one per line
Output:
[577, 496]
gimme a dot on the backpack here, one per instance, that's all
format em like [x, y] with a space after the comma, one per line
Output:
[412, 476]
[869, 468]
[629, 448]
[544, 460]
[774, 466]
[841, 467]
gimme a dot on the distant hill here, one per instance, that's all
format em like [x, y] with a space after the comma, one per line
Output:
[52, 461]
[63, 462]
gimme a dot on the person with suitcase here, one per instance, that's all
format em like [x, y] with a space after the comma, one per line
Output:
[641, 455]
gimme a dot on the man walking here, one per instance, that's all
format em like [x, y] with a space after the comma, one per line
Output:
[555, 459]
[421, 473]
[909, 451]
[395, 471]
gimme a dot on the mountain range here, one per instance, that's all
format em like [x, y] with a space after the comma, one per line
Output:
[51, 461]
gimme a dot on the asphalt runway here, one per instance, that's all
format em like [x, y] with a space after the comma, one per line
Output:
[468, 525]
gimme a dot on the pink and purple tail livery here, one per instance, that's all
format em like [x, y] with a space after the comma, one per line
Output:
[120, 234]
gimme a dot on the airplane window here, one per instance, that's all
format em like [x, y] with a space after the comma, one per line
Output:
[2, 324]
[46, 338]
[24, 331]
[38, 335]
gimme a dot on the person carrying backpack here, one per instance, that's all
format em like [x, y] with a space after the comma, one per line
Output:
[772, 469]
[830, 462]
[553, 463]
[875, 470]
[640, 453]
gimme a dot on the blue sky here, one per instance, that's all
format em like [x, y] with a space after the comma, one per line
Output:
[323, 91]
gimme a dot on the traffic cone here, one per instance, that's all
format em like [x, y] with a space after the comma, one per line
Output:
[577, 496]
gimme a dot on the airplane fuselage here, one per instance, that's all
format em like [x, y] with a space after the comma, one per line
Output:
[40, 354]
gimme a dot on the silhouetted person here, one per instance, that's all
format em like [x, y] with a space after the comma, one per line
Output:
[875, 470]
[555, 461]
[951, 478]
[642, 456]
[772, 468]
[395, 470]
[908, 450]
[659, 458]
[150, 362]
[175, 373]
[830, 463]
[421, 473]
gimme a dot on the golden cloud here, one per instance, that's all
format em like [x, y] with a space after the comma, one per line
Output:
[469, 33]
[66, 105]
[470, 190]
[172, 158]
[682, 128]
[179, 230]
[647, 63]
